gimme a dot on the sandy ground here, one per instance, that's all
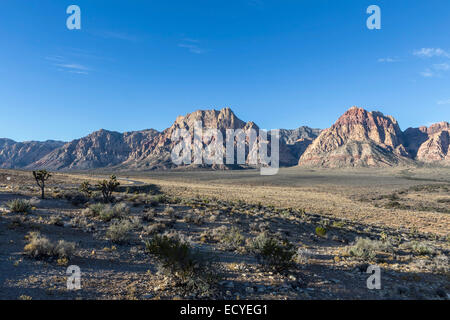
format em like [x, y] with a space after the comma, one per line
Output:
[350, 204]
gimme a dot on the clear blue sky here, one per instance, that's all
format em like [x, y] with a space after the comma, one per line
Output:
[139, 64]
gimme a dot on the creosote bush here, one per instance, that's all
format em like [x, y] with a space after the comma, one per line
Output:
[272, 253]
[189, 268]
[39, 246]
[367, 249]
[96, 208]
[419, 248]
[19, 206]
[120, 231]
[107, 212]
[232, 238]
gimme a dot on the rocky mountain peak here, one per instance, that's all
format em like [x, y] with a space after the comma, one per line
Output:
[358, 138]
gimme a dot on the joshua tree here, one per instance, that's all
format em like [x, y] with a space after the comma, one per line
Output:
[108, 187]
[85, 187]
[41, 176]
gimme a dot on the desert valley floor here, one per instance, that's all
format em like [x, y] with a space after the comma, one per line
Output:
[338, 222]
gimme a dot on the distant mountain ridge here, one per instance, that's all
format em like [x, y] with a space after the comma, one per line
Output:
[18, 155]
[359, 138]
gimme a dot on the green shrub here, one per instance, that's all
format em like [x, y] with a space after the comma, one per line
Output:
[96, 208]
[272, 253]
[233, 238]
[108, 212]
[39, 246]
[161, 198]
[367, 249]
[19, 206]
[120, 231]
[321, 231]
[187, 267]
[419, 248]
[194, 218]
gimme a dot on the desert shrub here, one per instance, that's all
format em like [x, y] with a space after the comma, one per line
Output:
[188, 268]
[169, 211]
[81, 222]
[148, 216]
[19, 206]
[366, 249]
[338, 224]
[120, 231]
[109, 212]
[161, 198]
[321, 231]
[96, 208]
[56, 220]
[39, 246]
[272, 253]
[76, 198]
[233, 238]
[154, 228]
[419, 248]
[194, 218]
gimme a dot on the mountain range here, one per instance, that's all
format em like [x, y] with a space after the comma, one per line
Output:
[359, 138]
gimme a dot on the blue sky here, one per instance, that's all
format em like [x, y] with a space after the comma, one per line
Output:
[139, 64]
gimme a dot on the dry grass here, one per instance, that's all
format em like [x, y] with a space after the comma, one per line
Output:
[326, 192]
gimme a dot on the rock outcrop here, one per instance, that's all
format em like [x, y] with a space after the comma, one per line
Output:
[430, 144]
[98, 150]
[359, 138]
[17, 155]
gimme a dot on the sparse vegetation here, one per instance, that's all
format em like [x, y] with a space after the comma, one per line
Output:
[232, 238]
[39, 246]
[41, 176]
[367, 249]
[107, 187]
[419, 248]
[294, 263]
[272, 253]
[321, 231]
[188, 267]
[119, 231]
[107, 212]
[19, 206]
